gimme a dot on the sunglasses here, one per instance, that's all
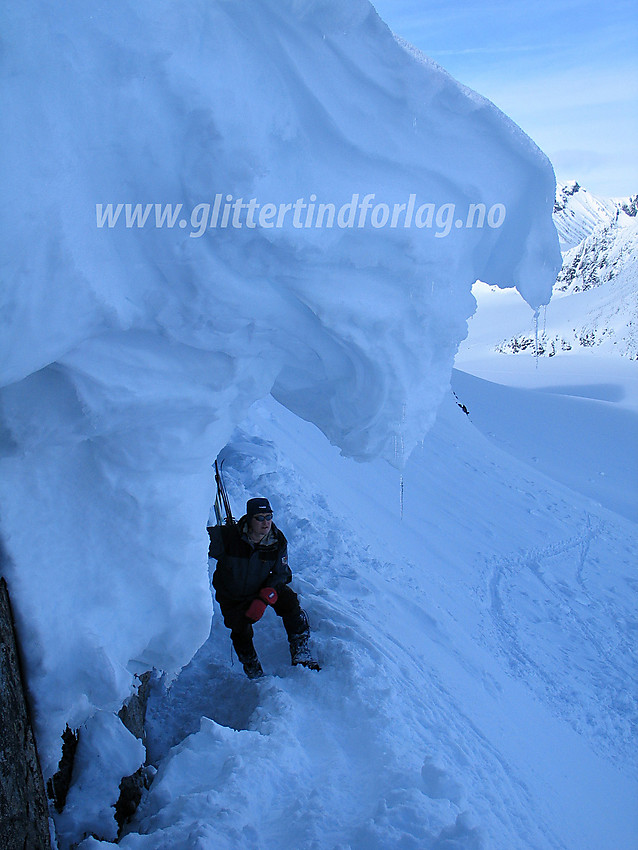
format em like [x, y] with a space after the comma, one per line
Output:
[262, 517]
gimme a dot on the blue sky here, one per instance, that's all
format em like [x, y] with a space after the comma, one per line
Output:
[565, 71]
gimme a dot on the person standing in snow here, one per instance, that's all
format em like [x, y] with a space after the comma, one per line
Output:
[251, 574]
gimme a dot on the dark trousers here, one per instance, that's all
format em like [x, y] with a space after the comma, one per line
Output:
[241, 629]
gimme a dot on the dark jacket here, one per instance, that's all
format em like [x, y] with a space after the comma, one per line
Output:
[243, 567]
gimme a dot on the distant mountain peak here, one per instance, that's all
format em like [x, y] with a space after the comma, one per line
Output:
[630, 206]
[563, 192]
[577, 213]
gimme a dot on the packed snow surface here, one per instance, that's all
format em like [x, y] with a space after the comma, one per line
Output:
[131, 353]
[478, 653]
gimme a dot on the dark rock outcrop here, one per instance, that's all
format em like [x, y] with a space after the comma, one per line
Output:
[24, 820]
[58, 784]
[133, 716]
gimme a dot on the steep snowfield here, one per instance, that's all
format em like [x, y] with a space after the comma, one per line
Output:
[478, 654]
[131, 353]
[577, 213]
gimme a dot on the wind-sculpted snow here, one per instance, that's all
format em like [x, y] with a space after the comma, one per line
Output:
[130, 352]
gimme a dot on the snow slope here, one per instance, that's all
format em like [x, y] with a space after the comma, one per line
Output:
[478, 656]
[129, 354]
[577, 213]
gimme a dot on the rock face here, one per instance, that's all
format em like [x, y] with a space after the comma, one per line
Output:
[133, 716]
[23, 807]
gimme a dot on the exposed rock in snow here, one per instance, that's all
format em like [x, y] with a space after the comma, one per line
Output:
[23, 806]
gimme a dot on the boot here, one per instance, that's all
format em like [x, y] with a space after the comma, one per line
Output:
[251, 665]
[300, 652]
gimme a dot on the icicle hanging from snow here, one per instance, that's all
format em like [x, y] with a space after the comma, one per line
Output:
[402, 456]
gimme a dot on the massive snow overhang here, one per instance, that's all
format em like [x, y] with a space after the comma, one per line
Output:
[131, 352]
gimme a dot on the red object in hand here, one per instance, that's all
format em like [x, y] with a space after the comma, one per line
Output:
[269, 595]
[256, 610]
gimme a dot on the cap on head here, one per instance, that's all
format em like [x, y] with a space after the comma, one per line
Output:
[257, 506]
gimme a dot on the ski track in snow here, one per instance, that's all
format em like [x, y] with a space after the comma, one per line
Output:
[551, 645]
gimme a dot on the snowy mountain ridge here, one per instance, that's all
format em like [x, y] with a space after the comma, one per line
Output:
[578, 212]
[595, 299]
[609, 250]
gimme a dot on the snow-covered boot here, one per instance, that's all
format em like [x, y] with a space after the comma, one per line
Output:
[300, 652]
[251, 665]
